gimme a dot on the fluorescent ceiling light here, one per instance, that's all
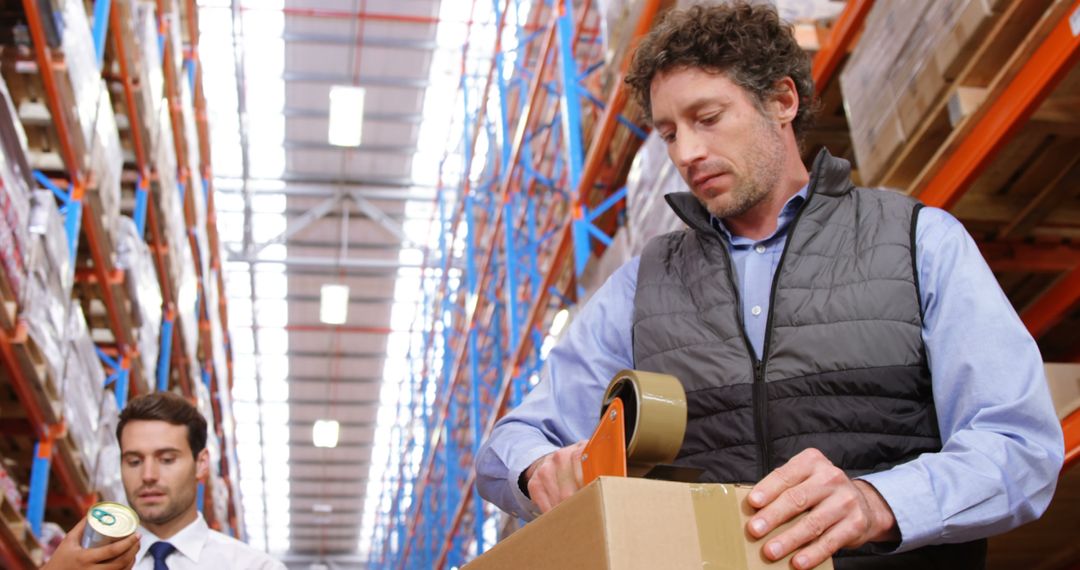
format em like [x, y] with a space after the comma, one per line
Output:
[346, 115]
[559, 322]
[325, 433]
[334, 304]
[322, 508]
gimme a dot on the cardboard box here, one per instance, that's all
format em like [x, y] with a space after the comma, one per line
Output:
[621, 523]
[1064, 380]
[959, 43]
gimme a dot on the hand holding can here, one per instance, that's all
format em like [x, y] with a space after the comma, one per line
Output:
[108, 522]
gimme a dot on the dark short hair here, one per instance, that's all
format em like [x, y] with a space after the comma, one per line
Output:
[748, 42]
[166, 407]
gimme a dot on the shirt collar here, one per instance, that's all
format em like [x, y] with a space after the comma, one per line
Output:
[787, 214]
[189, 542]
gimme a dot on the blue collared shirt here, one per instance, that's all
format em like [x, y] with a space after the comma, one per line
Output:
[1002, 444]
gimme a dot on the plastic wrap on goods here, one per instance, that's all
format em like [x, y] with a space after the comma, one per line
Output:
[133, 256]
[651, 176]
[46, 296]
[15, 185]
[149, 73]
[107, 160]
[107, 474]
[83, 388]
[187, 303]
[47, 226]
[81, 63]
[13, 143]
[14, 236]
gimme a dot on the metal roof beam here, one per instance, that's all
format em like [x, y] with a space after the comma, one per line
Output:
[257, 184]
[364, 80]
[369, 148]
[369, 41]
[327, 262]
[369, 116]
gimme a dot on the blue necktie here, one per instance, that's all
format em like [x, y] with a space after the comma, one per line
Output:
[160, 551]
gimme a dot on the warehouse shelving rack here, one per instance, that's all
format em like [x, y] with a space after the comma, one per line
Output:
[53, 452]
[541, 200]
[486, 307]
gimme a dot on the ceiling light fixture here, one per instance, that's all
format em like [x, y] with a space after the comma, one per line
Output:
[559, 322]
[346, 115]
[334, 304]
[325, 433]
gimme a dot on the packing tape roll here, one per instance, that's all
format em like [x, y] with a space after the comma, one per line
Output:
[655, 415]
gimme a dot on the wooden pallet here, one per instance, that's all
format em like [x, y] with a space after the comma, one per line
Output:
[1011, 35]
[21, 73]
[16, 540]
[31, 363]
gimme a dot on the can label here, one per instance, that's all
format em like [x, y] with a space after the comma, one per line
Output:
[108, 522]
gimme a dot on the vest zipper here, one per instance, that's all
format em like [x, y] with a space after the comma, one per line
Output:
[757, 371]
[760, 393]
[761, 403]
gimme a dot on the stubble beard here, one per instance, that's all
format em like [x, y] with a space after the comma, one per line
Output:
[161, 514]
[761, 178]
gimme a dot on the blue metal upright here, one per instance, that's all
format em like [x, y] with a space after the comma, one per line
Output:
[39, 486]
[165, 353]
[516, 227]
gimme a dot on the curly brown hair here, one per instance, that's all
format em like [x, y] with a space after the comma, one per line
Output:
[747, 42]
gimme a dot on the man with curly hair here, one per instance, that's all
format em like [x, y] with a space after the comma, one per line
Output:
[845, 349]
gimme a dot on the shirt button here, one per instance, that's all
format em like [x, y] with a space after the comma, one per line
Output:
[756, 310]
[759, 248]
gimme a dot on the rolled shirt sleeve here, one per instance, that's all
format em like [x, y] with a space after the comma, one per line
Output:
[1002, 446]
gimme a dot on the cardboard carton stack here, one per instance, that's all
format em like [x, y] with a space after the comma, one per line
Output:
[144, 290]
[909, 56]
[46, 297]
[83, 389]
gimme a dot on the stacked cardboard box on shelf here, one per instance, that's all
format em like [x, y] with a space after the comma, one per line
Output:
[15, 184]
[137, 26]
[107, 479]
[891, 82]
[83, 388]
[46, 297]
[133, 256]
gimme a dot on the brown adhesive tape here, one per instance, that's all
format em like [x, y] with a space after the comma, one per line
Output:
[655, 416]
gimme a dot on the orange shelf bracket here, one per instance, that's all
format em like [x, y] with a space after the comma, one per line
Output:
[1048, 309]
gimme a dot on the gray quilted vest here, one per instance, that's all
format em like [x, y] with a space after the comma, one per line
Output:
[844, 368]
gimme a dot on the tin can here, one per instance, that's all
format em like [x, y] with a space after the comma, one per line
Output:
[108, 522]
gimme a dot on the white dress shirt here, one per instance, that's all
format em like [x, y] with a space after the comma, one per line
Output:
[199, 547]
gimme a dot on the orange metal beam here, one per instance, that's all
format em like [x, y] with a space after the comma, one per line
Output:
[1035, 80]
[1023, 257]
[1071, 427]
[19, 382]
[839, 42]
[1051, 307]
[52, 92]
[129, 96]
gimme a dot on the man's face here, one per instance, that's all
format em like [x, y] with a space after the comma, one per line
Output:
[159, 472]
[728, 152]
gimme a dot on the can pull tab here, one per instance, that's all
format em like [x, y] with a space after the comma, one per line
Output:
[103, 516]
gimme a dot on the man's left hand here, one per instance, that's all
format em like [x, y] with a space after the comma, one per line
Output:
[840, 512]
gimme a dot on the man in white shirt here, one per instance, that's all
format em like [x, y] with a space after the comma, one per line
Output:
[163, 457]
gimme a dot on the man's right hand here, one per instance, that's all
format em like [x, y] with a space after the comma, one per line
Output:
[119, 555]
[555, 476]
